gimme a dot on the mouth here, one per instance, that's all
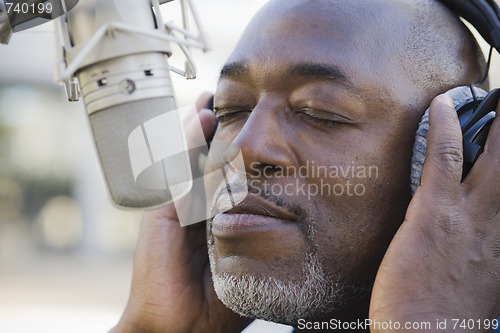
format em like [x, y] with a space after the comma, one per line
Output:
[253, 214]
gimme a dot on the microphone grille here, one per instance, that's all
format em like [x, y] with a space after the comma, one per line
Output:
[135, 173]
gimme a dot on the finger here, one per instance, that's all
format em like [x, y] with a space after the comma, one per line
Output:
[484, 178]
[442, 169]
[201, 126]
[201, 103]
[208, 123]
[160, 214]
[492, 157]
[203, 100]
[156, 226]
[164, 246]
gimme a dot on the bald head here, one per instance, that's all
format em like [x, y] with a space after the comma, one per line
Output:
[418, 45]
[441, 51]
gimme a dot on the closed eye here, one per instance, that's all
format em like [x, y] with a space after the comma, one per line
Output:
[227, 114]
[323, 117]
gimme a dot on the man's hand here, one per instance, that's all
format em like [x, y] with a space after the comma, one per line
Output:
[171, 286]
[444, 262]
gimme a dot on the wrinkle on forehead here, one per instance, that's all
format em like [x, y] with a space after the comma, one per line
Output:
[415, 48]
[367, 34]
[353, 18]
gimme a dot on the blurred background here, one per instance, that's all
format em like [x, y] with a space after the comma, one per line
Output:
[65, 251]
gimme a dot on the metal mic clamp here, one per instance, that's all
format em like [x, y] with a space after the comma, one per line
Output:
[115, 54]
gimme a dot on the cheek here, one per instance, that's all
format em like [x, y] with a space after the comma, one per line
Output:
[225, 134]
[357, 219]
[353, 233]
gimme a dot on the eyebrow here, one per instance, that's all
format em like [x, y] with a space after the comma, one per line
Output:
[234, 70]
[316, 71]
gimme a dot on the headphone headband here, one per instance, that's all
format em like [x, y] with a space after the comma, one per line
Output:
[484, 15]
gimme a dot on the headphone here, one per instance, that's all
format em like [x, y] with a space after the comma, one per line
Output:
[475, 107]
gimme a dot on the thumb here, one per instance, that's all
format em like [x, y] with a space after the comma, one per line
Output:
[442, 171]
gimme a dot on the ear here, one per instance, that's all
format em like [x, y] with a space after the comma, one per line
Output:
[461, 96]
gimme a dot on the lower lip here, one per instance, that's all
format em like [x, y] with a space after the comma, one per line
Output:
[230, 225]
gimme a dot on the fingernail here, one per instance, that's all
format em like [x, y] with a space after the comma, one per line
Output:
[445, 99]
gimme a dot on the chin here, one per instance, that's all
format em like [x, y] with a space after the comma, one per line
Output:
[282, 298]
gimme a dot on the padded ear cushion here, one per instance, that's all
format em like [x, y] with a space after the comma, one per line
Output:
[461, 96]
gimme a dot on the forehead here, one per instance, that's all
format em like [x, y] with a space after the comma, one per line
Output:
[362, 38]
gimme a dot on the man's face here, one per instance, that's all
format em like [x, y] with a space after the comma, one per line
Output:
[320, 116]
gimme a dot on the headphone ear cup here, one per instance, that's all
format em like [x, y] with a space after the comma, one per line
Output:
[461, 95]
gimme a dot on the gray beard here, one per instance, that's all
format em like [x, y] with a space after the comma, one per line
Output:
[315, 295]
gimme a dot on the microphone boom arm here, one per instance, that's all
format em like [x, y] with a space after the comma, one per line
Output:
[159, 39]
[5, 28]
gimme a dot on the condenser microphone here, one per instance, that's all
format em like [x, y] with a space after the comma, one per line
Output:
[115, 56]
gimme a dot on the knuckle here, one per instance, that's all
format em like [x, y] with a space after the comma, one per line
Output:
[450, 151]
[449, 222]
[448, 158]
[495, 248]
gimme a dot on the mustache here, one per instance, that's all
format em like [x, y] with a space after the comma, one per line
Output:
[240, 187]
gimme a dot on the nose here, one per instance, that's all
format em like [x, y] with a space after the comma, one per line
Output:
[266, 138]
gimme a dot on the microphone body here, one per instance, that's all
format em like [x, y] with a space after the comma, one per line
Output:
[128, 95]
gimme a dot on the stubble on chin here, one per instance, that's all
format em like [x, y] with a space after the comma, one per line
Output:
[313, 295]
